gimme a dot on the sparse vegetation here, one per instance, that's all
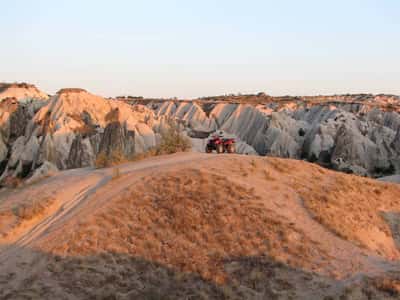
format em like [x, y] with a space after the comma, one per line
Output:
[29, 210]
[23, 85]
[281, 165]
[207, 217]
[388, 285]
[114, 158]
[11, 182]
[193, 232]
[112, 116]
[350, 206]
[172, 141]
[268, 176]
[71, 90]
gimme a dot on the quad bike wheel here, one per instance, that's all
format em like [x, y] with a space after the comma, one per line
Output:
[220, 148]
[231, 148]
[208, 149]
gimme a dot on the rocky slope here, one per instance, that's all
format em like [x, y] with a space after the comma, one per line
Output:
[18, 105]
[72, 128]
[201, 226]
[352, 133]
[357, 134]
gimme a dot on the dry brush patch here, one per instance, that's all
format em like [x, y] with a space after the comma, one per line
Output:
[173, 140]
[190, 232]
[12, 182]
[190, 222]
[28, 210]
[116, 157]
[386, 284]
[352, 207]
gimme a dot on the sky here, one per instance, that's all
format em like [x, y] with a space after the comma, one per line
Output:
[188, 48]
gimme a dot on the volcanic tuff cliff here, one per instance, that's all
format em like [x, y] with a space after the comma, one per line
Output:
[358, 135]
[70, 129]
[351, 133]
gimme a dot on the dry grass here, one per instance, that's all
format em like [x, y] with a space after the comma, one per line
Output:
[149, 153]
[203, 231]
[281, 165]
[190, 222]
[71, 90]
[387, 285]
[351, 206]
[11, 218]
[116, 157]
[11, 182]
[28, 211]
[268, 176]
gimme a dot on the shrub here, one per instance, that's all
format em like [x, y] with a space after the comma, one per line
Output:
[388, 285]
[172, 141]
[149, 153]
[114, 158]
[11, 182]
[112, 115]
[28, 211]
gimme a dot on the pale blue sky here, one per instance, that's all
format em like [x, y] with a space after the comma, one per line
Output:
[189, 48]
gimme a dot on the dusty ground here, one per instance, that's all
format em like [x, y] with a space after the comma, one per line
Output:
[198, 226]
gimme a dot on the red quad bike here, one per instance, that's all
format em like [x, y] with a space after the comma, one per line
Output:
[221, 145]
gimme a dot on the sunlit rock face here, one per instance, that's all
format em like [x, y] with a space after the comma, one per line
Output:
[351, 133]
[19, 102]
[23, 92]
[70, 130]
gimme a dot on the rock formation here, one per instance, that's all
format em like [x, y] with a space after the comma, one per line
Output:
[351, 133]
[22, 91]
[71, 129]
[356, 134]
